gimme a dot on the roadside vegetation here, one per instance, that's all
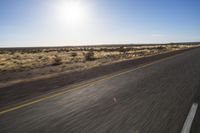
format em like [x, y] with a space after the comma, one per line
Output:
[32, 62]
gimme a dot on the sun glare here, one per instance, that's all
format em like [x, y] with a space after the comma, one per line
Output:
[72, 12]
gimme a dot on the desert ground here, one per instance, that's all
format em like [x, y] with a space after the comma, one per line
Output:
[21, 64]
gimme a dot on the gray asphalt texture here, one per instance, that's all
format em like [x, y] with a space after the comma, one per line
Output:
[152, 99]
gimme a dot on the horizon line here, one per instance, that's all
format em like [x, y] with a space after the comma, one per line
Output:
[106, 44]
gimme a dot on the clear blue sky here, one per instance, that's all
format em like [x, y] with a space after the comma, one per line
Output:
[49, 22]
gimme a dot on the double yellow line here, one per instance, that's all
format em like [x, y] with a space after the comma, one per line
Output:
[55, 94]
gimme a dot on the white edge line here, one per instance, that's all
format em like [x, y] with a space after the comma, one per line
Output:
[188, 122]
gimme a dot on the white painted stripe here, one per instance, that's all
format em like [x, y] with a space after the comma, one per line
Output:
[188, 122]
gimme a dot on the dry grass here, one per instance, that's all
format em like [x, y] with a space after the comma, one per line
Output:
[22, 60]
[37, 62]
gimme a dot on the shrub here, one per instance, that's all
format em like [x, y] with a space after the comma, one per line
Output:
[40, 57]
[161, 48]
[89, 56]
[122, 50]
[73, 54]
[57, 61]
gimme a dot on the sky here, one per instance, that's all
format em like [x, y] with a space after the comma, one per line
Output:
[29, 23]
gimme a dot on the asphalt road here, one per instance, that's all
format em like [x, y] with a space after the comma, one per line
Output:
[153, 99]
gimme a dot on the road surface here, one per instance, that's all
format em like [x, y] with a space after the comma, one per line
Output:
[155, 98]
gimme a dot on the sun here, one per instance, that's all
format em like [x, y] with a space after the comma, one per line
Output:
[72, 12]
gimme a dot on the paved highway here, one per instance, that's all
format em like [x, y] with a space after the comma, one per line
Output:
[155, 98]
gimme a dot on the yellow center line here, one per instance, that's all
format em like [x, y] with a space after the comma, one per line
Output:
[78, 87]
